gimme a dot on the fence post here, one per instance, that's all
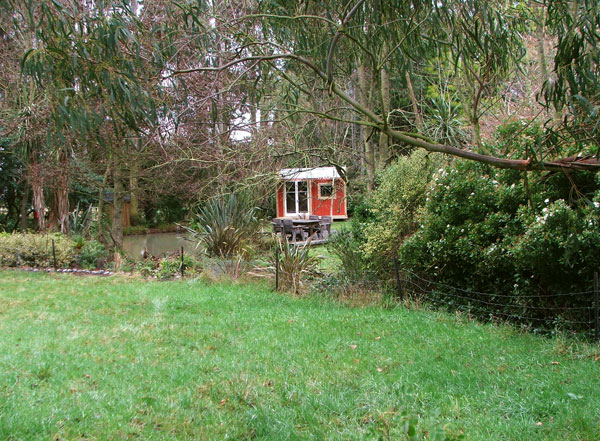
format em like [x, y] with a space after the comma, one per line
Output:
[398, 286]
[596, 318]
[277, 269]
[182, 264]
[54, 255]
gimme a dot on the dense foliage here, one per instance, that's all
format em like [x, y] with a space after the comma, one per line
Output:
[35, 250]
[396, 202]
[485, 231]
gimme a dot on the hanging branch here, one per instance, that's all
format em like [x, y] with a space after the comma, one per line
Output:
[572, 162]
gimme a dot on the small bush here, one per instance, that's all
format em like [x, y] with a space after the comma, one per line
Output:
[27, 249]
[295, 263]
[147, 268]
[344, 246]
[224, 226]
[80, 221]
[93, 255]
[167, 267]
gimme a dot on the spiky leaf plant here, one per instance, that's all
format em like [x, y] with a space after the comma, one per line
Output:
[295, 262]
[225, 225]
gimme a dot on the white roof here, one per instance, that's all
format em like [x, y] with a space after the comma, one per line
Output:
[290, 174]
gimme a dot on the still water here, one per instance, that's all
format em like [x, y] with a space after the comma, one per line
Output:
[157, 244]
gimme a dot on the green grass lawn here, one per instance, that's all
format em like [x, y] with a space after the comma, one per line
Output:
[116, 358]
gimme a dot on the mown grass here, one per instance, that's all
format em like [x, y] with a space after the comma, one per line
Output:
[115, 358]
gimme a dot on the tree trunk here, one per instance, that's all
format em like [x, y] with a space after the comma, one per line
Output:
[414, 103]
[101, 237]
[117, 215]
[475, 131]
[24, 201]
[39, 205]
[52, 222]
[134, 171]
[368, 154]
[37, 187]
[62, 194]
[384, 145]
[540, 40]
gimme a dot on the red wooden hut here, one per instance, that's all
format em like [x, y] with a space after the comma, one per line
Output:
[304, 191]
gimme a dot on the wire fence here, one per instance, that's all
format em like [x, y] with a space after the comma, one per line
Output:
[542, 312]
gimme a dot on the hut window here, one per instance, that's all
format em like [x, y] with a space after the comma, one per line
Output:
[325, 191]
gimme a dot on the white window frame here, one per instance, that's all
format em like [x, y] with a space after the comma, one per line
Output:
[296, 211]
[326, 198]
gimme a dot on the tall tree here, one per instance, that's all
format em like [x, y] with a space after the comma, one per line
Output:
[480, 46]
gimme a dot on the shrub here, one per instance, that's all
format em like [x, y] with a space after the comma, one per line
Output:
[483, 232]
[395, 205]
[147, 268]
[80, 220]
[224, 226]
[35, 250]
[93, 255]
[295, 263]
[345, 247]
[167, 267]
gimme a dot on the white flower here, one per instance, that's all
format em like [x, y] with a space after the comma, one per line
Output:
[547, 200]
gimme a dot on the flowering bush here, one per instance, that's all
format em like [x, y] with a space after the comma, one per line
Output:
[488, 231]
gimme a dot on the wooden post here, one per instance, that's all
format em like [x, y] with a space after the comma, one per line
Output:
[277, 268]
[596, 318]
[398, 285]
[54, 255]
[182, 264]
[332, 200]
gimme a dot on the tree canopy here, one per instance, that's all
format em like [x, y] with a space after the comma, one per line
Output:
[142, 97]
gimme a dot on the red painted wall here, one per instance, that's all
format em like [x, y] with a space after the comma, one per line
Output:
[280, 206]
[320, 207]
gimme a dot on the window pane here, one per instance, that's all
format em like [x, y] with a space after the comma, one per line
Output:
[302, 202]
[290, 197]
[302, 197]
[325, 191]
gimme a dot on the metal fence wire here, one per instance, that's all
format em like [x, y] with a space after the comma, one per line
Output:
[544, 312]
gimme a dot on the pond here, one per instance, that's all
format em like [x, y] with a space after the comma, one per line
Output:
[157, 244]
